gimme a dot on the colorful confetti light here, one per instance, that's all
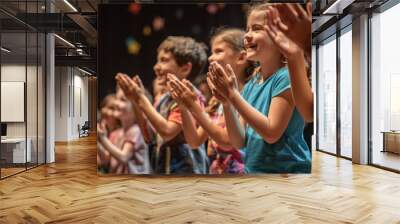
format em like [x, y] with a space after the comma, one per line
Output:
[212, 9]
[133, 46]
[158, 23]
[147, 31]
[135, 8]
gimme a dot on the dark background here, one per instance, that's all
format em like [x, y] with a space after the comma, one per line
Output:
[117, 23]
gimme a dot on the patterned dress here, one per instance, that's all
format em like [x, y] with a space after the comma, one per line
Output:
[224, 160]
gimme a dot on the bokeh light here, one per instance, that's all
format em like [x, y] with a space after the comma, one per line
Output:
[147, 31]
[133, 46]
[135, 8]
[158, 23]
[212, 9]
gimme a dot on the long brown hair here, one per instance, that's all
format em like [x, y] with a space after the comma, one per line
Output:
[257, 7]
[234, 37]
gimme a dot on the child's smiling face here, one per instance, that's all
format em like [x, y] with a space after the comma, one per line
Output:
[107, 113]
[222, 53]
[256, 40]
[123, 106]
[166, 63]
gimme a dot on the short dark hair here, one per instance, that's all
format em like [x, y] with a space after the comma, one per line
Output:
[185, 50]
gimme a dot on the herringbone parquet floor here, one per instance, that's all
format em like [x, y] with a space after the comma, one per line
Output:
[70, 191]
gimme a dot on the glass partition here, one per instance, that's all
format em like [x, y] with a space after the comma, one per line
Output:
[15, 152]
[22, 88]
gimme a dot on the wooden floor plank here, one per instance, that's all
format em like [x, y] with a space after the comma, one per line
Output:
[70, 191]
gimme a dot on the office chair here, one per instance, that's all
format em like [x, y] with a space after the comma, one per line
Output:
[84, 130]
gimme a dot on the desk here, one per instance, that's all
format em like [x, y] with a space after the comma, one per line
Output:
[13, 150]
[391, 141]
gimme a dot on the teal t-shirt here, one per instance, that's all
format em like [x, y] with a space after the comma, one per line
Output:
[290, 154]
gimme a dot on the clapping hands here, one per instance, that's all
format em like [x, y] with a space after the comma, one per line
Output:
[222, 82]
[183, 92]
[132, 87]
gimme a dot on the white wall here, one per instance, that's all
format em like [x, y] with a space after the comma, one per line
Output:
[71, 93]
[80, 110]
[61, 103]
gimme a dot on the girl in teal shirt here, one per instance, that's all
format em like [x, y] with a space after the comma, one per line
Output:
[269, 128]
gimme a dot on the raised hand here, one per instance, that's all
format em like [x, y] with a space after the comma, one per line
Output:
[293, 40]
[286, 46]
[101, 129]
[133, 88]
[138, 81]
[295, 22]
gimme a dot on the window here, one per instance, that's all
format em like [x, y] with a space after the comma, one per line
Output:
[346, 92]
[327, 96]
[385, 89]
